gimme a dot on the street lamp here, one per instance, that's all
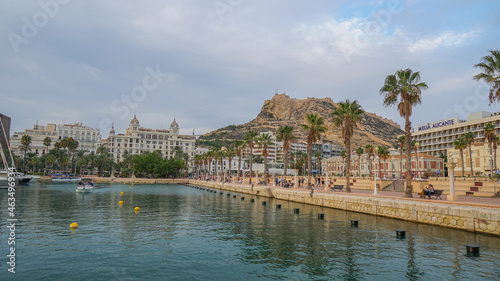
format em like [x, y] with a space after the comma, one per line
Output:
[451, 166]
[375, 161]
[417, 144]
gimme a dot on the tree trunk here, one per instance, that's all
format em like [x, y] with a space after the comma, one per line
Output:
[239, 167]
[470, 157]
[251, 161]
[409, 188]
[401, 163]
[285, 161]
[491, 162]
[348, 164]
[463, 163]
[265, 167]
[359, 165]
[309, 164]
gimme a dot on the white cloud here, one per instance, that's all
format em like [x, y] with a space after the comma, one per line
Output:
[445, 39]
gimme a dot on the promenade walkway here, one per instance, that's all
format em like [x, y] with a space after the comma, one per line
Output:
[462, 200]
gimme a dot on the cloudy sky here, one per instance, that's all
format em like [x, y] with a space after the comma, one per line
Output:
[213, 63]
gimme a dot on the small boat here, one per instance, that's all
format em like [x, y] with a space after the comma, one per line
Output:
[59, 178]
[23, 179]
[85, 186]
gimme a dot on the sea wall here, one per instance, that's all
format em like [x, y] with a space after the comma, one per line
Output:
[459, 216]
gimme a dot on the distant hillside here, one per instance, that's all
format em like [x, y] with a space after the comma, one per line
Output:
[282, 110]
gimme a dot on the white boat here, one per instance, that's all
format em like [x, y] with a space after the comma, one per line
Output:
[23, 179]
[58, 178]
[87, 186]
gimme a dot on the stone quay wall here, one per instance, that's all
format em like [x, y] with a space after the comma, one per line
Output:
[453, 215]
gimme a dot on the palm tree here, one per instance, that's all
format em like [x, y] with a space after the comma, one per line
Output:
[34, 162]
[414, 147]
[383, 153]
[496, 139]
[317, 155]
[460, 143]
[469, 137]
[51, 159]
[25, 143]
[285, 134]
[314, 128]
[490, 65]
[46, 142]
[359, 152]
[489, 135]
[250, 139]
[216, 155]
[263, 142]
[369, 151]
[238, 146]
[403, 90]
[91, 159]
[210, 157]
[347, 116]
[343, 155]
[401, 141]
[230, 153]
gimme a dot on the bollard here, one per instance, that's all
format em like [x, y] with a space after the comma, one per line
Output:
[296, 210]
[278, 206]
[252, 200]
[321, 216]
[472, 250]
[264, 203]
[401, 233]
[354, 223]
[242, 198]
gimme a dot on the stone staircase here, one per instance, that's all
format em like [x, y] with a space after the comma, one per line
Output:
[397, 185]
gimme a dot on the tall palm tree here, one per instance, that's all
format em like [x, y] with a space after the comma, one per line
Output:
[469, 137]
[490, 65]
[263, 142]
[369, 152]
[496, 139]
[25, 143]
[359, 152]
[210, 157]
[314, 128]
[489, 135]
[347, 116]
[403, 89]
[285, 134]
[46, 142]
[401, 141]
[230, 153]
[249, 140]
[460, 143]
[216, 153]
[238, 146]
[383, 153]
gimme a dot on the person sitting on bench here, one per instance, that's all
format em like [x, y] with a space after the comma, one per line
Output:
[430, 190]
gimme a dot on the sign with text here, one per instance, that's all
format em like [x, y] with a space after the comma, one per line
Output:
[438, 124]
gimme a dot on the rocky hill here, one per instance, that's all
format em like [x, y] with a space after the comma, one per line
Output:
[282, 110]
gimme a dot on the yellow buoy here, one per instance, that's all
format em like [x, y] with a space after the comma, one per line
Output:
[132, 184]
[130, 187]
[137, 209]
[121, 193]
[73, 225]
[121, 202]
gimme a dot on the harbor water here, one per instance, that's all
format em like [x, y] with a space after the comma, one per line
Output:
[185, 233]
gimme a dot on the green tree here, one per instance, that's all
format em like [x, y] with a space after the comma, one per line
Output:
[317, 155]
[490, 66]
[314, 127]
[469, 137]
[263, 142]
[25, 144]
[238, 146]
[460, 143]
[249, 140]
[230, 153]
[489, 135]
[347, 116]
[383, 154]
[403, 90]
[285, 134]
[46, 142]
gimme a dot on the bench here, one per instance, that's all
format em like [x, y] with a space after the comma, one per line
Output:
[262, 181]
[337, 187]
[437, 194]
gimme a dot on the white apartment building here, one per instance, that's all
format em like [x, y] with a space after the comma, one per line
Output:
[137, 139]
[437, 137]
[89, 139]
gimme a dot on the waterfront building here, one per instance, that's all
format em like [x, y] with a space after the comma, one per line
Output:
[437, 137]
[4, 130]
[482, 160]
[390, 168]
[137, 140]
[37, 134]
[89, 139]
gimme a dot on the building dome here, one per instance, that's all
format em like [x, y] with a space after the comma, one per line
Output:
[174, 124]
[134, 121]
[112, 131]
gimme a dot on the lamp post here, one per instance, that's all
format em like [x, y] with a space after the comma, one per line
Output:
[375, 161]
[451, 172]
[417, 144]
